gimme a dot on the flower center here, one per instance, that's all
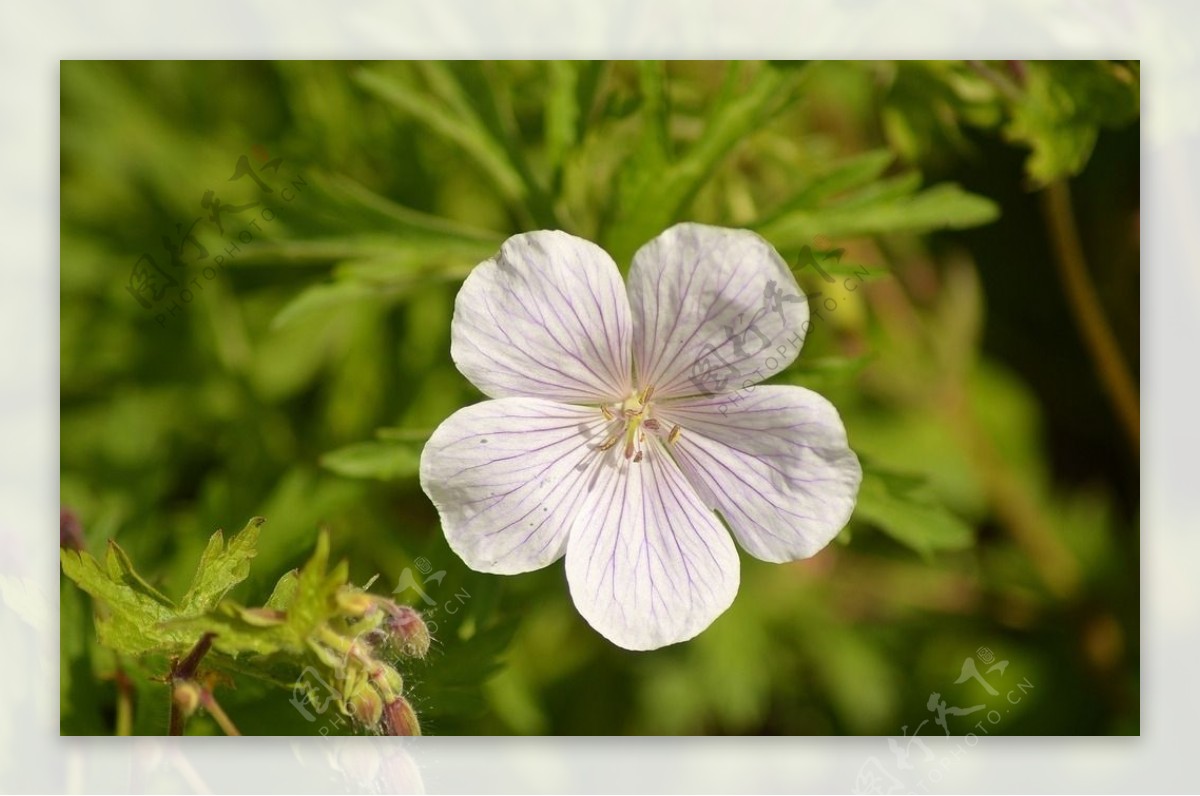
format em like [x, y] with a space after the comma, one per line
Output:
[630, 420]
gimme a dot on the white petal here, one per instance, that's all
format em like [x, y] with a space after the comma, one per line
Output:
[774, 461]
[647, 563]
[545, 318]
[507, 477]
[713, 310]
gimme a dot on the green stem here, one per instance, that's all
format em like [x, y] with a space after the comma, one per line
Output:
[1088, 313]
[124, 703]
[184, 671]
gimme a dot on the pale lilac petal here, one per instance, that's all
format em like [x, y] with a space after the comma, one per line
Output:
[547, 317]
[714, 310]
[507, 477]
[647, 563]
[774, 461]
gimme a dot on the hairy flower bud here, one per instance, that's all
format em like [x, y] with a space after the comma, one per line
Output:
[365, 704]
[405, 631]
[400, 719]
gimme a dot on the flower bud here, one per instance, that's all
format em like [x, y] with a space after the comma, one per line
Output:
[405, 630]
[400, 719]
[187, 696]
[388, 680]
[365, 704]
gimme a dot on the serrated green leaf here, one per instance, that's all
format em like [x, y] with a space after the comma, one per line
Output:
[900, 506]
[222, 566]
[316, 587]
[120, 568]
[235, 635]
[1062, 109]
[134, 618]
[130, 619]
[383, 459]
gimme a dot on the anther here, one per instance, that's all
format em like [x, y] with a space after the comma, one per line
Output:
[674, 435]
[608, 443]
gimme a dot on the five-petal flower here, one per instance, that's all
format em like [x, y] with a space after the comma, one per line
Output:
[622, 418]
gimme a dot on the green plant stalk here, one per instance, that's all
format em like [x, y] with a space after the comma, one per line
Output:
[124, 703]
[1088, 312]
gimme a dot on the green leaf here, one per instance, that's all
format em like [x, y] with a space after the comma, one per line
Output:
[222, 566]
[120, 569]
[236, 635]
[944, 206]
[656, 191]
[322, 298]
[130, 619]
[385, 460]
[901, 506]
[459, 125]
[412, 228]
[562, 111]
[927, 104]
[133, 617]
[285, 591]
[316, 589]
[839, 177]
[1062, 109]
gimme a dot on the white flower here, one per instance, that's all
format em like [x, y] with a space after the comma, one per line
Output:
[623, 418]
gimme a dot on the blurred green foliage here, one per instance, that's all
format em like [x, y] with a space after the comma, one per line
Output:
[294, 370]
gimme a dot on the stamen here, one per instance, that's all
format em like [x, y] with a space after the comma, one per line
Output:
[652, 424]
[604, 410]
[649, 391]
[637, 457]
[674, 435]
[608, 443]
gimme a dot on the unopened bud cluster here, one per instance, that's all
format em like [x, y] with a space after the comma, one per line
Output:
[361, 645]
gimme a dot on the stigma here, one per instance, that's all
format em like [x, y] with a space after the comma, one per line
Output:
[630, 421]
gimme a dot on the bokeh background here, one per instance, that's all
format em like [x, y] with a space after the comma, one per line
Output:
[930, 209]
